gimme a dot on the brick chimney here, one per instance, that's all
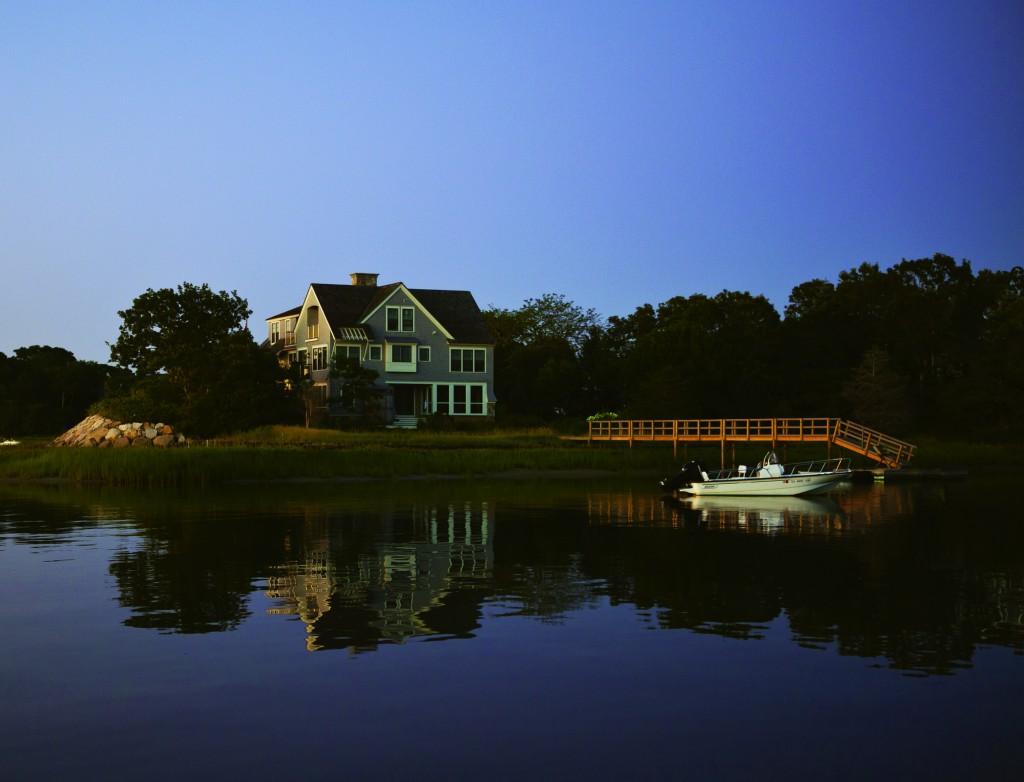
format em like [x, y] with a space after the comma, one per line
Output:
[365, 279]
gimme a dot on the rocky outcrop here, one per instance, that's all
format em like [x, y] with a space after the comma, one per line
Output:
[99, 432]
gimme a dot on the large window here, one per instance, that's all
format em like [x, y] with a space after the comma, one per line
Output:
[275, 332]
[320, 358]
[401, 319]
[401, 354]
[468, 360]
[461, 399]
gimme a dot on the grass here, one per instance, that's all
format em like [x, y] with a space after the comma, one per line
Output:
[281, 453]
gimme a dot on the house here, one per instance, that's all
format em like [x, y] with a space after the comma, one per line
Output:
[431, 349]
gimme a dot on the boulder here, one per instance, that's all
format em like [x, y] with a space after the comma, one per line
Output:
[142, 441]
[163, 440]
[112, 434]
[150, 433]
[165, 429]
[122, 442]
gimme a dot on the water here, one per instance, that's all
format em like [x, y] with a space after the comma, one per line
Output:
[505, 630]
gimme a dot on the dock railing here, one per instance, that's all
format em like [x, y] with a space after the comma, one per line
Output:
[875, 445]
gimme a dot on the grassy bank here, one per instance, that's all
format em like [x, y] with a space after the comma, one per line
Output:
[292, 453]
[283, 454]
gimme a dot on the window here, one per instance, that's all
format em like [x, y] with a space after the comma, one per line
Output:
[468, 360]
[424, 353]
[348, 352]
[320, 395]
[375, 353]
[293, 358]
[442, 400]
[275, 332]
[401, 319]
[476, 400]
[459, 400]
[302, 362]
[319, 358]
[313, 323]
[401, 354]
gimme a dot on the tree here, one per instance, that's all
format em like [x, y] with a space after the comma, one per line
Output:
[45, 389]
[195, 363]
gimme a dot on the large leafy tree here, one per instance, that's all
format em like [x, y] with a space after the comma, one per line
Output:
[195, 362]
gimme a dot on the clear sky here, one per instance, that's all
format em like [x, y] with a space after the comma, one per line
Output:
[620, 153]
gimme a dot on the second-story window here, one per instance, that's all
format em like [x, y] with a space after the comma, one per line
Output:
[401, 354]
[468, 360]
[275, 332]
[401, 319]
[423, 353]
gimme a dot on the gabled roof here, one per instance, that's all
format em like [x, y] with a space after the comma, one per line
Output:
[345, 306]
[458, 311]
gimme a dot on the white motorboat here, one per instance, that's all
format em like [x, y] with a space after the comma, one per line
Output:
[768, 479]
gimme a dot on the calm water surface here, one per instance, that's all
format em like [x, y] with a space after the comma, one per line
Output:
[506, 630]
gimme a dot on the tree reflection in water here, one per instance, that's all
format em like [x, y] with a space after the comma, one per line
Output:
[912, 577]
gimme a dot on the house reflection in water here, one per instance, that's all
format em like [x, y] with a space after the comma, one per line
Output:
[418, 580]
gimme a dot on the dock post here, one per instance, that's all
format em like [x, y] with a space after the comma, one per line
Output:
[723, 450]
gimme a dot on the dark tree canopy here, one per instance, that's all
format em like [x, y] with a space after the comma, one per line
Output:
[195, 362]
[44, 389]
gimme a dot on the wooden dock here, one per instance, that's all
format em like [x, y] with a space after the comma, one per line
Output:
[887, 451]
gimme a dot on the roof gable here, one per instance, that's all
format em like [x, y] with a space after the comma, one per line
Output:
[455, 312]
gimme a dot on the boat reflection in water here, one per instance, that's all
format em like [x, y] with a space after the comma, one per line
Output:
[766, 514]
[854, 510]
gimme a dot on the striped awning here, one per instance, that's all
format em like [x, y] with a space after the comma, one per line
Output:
[353, 334]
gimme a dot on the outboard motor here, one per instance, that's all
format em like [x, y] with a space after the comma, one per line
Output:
[691, 473]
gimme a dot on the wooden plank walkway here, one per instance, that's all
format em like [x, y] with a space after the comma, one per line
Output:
[854, 437]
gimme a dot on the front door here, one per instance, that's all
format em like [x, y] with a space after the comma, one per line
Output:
[404, 400]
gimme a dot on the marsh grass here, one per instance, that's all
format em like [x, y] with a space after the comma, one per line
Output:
[202, 466]
[273, 454]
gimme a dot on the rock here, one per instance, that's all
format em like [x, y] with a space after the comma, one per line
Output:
[124, 427]
[181, 438]
[163, 440]
[141, 441]
[103, 444]
[136, 426]
[88, 444]
[150, 433]
[122, 442]
[165, 429]
[112, 434]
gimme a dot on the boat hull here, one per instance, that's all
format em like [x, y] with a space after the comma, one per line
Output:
[784, 486]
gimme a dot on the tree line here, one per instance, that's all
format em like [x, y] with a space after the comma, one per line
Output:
[925, 346]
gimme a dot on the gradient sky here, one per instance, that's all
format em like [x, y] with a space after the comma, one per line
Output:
[620, 153]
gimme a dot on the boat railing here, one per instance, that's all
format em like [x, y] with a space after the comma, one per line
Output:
[814, 467]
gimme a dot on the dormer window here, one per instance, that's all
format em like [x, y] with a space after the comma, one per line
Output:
[401, 320]
[312, 323]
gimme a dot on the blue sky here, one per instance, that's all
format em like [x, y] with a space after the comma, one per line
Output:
[620, 153]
